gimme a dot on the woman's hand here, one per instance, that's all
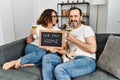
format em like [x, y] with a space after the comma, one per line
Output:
[33, 31]
[30, 37]
[60, 51]
[50, 49]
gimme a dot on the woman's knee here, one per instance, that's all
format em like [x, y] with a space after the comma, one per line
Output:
[41, 51]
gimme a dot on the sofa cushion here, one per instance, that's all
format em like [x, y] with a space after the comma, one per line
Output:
[110, 57]
[101, 41]
[12, 51]
[32, 70]
[4, 78]
[15, 74]
[97, 75]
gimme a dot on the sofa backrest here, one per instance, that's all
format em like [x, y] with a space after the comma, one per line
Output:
[101, 41]
[12, 51]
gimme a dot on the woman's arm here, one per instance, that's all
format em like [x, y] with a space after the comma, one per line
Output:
[30, 37]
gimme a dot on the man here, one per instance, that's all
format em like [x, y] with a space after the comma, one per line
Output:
[82, 39]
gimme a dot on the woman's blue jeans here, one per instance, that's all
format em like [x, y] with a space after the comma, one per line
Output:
[52, 67]
[33, 54]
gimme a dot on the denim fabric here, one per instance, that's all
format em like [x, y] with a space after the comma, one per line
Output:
[49, 62]
[33, 54]
[52, 67]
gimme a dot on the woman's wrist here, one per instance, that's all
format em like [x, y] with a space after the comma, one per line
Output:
[30, 36]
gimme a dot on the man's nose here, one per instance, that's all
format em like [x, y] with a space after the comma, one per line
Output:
[73, 18]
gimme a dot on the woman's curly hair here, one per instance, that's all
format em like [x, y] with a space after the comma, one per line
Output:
[46, 17]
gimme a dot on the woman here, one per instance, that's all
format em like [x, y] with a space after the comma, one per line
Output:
[34, 54]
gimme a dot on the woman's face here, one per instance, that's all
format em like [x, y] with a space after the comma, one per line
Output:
[54, 18]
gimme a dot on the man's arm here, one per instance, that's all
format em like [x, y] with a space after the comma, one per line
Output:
[88, 46]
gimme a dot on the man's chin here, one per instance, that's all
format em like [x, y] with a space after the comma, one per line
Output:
[53, 24]
[74, 23]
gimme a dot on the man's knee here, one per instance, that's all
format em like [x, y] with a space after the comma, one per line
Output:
[59, 68]
[46, 57]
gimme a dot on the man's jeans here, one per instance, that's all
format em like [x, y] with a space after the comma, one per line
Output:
[52, 67]
[33, 54]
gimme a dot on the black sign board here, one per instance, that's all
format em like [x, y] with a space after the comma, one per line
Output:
[51, 38]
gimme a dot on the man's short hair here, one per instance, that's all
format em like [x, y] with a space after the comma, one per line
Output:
[73, 8]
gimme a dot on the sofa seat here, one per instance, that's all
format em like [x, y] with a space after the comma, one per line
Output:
[97, 75]
[27, 73]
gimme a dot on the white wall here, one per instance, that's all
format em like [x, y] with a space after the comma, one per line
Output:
[1, 34]
[40, 6]
[102, 19]
[113, 16]
[16, 19]
[7, 28]
[23, 16]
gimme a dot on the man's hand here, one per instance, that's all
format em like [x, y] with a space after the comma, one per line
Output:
[70, 37]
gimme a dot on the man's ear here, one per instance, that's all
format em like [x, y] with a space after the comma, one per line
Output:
[81, 18]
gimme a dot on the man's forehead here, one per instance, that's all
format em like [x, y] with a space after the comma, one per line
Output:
[75, 11]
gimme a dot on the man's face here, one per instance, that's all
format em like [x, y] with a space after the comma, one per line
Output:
[75, 18]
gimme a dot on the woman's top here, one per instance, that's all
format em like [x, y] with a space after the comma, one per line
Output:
[36, 36]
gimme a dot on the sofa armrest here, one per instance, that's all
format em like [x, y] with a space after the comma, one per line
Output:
[12, 51]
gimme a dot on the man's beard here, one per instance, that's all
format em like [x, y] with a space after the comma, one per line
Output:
[53, 24]
[74, 23]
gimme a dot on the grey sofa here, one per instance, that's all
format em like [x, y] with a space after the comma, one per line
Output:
[15, 49]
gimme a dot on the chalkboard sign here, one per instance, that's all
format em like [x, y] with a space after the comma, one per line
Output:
[51, 38]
